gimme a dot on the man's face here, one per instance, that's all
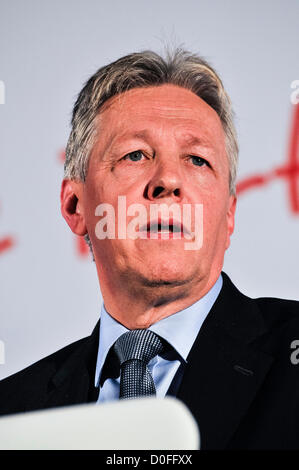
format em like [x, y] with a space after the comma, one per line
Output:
[159, 145]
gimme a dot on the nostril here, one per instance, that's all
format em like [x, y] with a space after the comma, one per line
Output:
[176, 192]
[157, 191]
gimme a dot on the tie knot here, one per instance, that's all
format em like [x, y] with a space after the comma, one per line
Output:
[138, 344]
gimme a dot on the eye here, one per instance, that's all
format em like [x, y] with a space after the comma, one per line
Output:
[135, 156]
[199, 161]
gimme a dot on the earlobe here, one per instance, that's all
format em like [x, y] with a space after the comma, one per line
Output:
[71, 206]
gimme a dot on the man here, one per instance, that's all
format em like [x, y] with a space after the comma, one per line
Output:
[149, 131]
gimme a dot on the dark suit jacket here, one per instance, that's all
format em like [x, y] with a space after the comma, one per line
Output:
[239, 383]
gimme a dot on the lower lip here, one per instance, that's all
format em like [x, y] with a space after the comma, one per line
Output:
[163, 235]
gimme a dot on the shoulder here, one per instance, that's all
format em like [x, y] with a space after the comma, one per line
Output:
[278, 311]
[281, 319]
[22, 386]
[278, 326]
[273, 309]
[263, 318]
[53, 361]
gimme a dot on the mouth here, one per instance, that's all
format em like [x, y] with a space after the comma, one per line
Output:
[166, 229]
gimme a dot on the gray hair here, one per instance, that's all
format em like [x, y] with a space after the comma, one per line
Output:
[146, 69]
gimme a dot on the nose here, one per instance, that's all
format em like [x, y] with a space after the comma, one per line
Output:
[166, 181]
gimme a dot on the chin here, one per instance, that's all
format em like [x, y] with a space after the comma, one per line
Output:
[167, 273]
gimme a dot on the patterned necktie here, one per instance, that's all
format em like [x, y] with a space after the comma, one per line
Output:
[134, 350]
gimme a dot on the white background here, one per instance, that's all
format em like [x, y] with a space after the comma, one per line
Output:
[48, 49]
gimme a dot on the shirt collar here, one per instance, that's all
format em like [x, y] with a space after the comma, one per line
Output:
[179, 329]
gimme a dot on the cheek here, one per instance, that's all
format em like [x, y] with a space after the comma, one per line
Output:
[100, 191]
[125, 173]
[93, 197]
[214, 219]
[107, 202]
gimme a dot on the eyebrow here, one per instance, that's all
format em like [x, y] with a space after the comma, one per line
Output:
[118, 139]
[144, 134]
[192, 140]
[189, 139]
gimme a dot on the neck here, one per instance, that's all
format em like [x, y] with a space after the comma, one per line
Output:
[144, 303]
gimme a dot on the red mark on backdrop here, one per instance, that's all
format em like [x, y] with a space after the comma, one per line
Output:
[81, 246]
[6, 243]
[61, 156]
[289, 171]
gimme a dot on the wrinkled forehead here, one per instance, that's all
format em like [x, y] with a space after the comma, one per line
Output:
[161, 107]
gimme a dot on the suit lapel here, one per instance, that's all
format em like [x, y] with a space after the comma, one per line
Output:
[224, 370]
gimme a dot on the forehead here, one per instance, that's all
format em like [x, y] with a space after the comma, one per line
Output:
[161, 107]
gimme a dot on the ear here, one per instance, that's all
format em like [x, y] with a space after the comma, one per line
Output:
[230, 218]
[71, 196]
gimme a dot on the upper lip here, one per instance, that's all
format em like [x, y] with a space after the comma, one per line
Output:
[171, 224]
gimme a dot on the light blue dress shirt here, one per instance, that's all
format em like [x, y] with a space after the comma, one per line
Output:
[179, 330]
